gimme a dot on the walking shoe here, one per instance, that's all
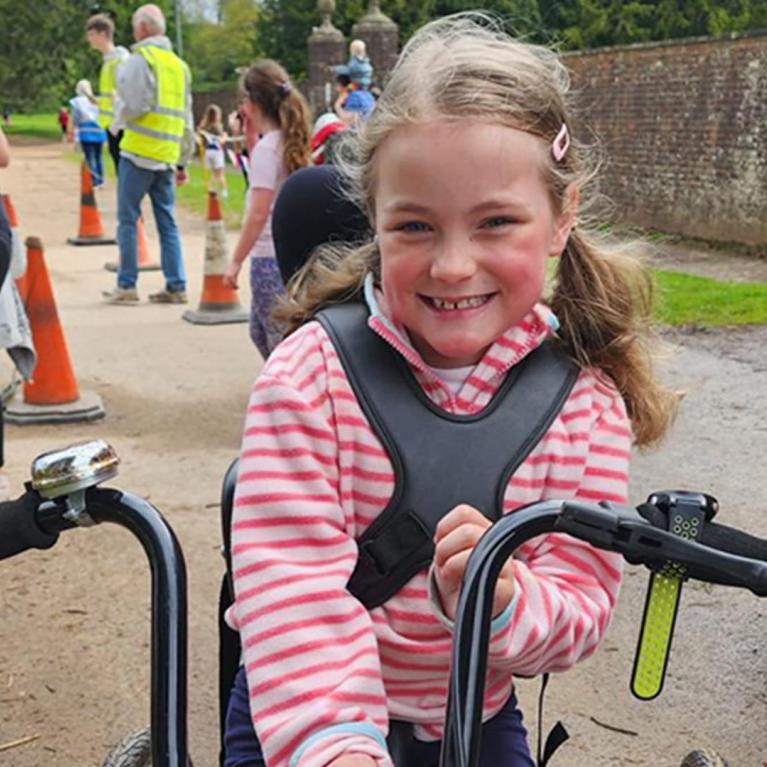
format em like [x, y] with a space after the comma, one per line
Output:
[120, 296]
[168, 297]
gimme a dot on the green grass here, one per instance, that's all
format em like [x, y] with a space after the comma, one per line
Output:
[686, 299]
[43, 125]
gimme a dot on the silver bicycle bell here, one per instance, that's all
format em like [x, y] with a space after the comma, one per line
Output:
[69, 472]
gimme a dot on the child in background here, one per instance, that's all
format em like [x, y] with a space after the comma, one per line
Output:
[454, 282]
[280, 114]
[359, 68]
[86, 130]
[63, 121]
[213, 139]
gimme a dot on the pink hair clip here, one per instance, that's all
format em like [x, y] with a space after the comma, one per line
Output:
[561, 143]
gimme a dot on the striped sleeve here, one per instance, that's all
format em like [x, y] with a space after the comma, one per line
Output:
[565, 588]
[309, 649]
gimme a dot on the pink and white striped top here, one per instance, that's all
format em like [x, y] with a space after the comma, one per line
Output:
[325, 674]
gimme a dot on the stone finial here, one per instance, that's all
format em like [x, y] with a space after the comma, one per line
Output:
[326, 8]
[326, 28]
[375, 15]
[381, 35]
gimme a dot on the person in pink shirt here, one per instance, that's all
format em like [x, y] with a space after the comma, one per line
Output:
[472, 181]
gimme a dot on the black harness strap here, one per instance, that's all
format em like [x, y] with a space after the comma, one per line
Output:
[440, 460]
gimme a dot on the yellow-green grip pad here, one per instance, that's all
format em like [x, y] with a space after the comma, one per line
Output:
[656, 633]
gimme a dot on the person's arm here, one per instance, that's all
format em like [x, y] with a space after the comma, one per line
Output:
[565, 589]
[265, 167]
[5, 232]
[343, 102]
[189, 140]
[256, 217]
[309, 648]
[5, 150]
[135, 86]
[348, 118]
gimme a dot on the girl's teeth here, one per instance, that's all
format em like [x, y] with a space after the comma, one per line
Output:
[464, 303]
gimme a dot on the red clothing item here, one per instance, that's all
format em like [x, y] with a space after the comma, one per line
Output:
[319, 139]
[325, 674]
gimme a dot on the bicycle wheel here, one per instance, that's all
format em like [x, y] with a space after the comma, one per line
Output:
[703, 758]
[135, 750]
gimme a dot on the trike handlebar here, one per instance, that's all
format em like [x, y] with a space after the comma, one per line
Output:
[33, 522]
[724, 555]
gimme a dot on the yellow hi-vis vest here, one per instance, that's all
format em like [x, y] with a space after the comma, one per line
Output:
[157, 135]
[107, 91]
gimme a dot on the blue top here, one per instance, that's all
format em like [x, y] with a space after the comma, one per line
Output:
[85, 119]
[361, 102]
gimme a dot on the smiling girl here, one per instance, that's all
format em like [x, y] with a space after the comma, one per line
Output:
[471, 177]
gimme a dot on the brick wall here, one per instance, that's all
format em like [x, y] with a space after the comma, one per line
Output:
[684, 128]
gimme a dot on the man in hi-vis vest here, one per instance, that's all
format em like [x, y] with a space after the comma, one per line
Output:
[154, 109]
[99, 32]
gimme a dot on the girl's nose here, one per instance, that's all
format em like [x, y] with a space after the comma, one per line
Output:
[453, 261]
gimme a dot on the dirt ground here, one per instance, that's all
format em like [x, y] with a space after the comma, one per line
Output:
[74, 620]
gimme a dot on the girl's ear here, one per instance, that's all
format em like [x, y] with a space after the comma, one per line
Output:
[565, 221]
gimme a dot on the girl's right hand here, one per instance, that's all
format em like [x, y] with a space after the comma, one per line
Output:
[353, 760]
[231, 274]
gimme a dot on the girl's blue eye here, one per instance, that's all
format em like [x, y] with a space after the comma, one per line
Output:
[496, 221]
[413, 226]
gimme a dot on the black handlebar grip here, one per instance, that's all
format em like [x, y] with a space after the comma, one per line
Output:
[19, 529]
[715, 536]
[734, 541]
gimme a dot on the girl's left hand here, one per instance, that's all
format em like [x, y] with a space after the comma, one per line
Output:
[231, 274]
[455, 538]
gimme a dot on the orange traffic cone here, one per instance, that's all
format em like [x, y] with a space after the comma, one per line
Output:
[18, 256]
[91, 229]
[52, 396]
[143, 259]
[218, 304]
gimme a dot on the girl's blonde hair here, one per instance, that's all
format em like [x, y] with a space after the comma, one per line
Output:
[83, 88]
[464, 67]
[267, 84]
[212, 120]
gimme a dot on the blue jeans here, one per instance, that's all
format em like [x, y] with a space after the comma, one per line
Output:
[504, 737]
[93, 158]
[132, 184]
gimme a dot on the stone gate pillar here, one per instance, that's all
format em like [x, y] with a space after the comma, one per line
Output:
[326, 49]
[381, 36]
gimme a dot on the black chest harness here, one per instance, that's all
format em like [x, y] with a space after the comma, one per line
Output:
[440, 459]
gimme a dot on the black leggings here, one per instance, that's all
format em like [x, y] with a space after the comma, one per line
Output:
[114, 148]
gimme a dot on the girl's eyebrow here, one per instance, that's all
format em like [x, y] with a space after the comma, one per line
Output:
[498, 203]
[406, 206]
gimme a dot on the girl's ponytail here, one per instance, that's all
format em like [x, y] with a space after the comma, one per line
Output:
[603, 303]
[295, 126]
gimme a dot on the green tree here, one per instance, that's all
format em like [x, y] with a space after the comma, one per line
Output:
[217, 49]
[43, 51]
